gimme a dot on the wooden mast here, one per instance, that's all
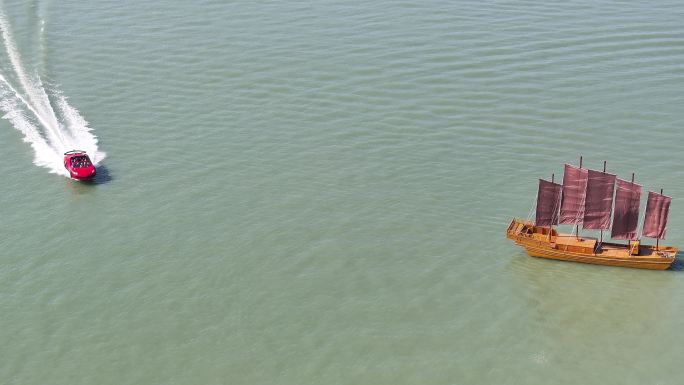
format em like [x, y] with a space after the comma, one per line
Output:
[629, 242]
[551, 225]
[577, 224]
[604, 171]
[657, 239]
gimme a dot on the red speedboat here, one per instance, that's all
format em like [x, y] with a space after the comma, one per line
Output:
[79, 165]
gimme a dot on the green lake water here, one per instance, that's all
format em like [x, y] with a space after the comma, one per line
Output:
[318, 192]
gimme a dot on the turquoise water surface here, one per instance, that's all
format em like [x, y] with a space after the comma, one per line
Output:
[318, 192]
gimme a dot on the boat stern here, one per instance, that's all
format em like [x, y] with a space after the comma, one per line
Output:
[518, 228]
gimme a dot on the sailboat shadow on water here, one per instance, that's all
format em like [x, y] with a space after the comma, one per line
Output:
[678, 264]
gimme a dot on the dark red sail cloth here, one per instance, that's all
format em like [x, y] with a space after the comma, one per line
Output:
[574, 190]
[655, 221]
[599, 200]
[548, 202]
[626, 215]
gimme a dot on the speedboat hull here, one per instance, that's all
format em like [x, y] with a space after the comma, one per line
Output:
[79, 166]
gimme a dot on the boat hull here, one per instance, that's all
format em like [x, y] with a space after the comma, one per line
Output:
[566, 247]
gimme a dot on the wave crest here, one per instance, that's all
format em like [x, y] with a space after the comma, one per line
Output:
[42, 114]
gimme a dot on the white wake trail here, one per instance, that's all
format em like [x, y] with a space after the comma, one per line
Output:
[51, 130]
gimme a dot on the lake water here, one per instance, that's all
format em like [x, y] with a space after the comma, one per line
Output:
[318, 192]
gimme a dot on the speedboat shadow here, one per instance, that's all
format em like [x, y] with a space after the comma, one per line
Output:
[102, 176]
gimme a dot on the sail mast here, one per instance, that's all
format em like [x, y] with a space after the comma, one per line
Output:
[629, 243]
[604, 171]
[626, 209]
[573, 198]
[658, 239]
[655, 220]
[548, 202]
[551, 225]
[585, 187]
[598, 202]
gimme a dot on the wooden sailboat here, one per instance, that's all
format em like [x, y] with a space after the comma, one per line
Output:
[586, 198]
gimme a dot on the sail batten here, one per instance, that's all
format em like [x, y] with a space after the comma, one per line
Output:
[599, 200]
[548, 203]
[574, 190]
[655, 220]
[626, 215]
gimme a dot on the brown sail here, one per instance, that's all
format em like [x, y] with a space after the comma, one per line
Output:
[574, 190]
[626, 216]
[655, 221]
[599, 200]
[548, 201]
